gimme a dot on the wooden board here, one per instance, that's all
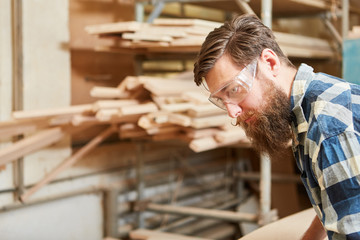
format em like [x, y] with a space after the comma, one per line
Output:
[118, 27]
[44, 113]
[144, 234]
[291, 227]
[30, 144]
[186, 22]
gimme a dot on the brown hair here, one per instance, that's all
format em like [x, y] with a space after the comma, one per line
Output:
[243, 38]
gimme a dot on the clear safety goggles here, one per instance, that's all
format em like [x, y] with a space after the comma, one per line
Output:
[235, 90]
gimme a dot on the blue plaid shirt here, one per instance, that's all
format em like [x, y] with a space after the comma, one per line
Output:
[326, 145]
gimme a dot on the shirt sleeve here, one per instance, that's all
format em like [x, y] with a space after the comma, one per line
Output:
[338, 173]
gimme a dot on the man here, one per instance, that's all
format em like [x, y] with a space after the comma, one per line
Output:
[247, 74]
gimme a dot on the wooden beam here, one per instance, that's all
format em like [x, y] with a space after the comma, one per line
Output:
[144, 234]
[210, 121]
[105, 104]
[169, 87]
[205, 213]
[44, 113]
[179, 119]
[108, 92]
[69, 162]
[231, 135]
[205, 110]
[186, 22]
[30, 144]
[138, 109]
[147, 37]
[118, 27]
[12, 128]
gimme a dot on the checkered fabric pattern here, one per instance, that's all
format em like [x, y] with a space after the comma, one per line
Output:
[326, 145]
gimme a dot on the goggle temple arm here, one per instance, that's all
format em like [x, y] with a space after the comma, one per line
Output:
[204, 84]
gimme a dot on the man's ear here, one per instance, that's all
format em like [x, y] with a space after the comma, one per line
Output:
[271, 61]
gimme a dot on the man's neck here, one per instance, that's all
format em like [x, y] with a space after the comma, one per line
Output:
[286, 78]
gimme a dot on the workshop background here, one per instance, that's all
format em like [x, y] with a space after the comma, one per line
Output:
[104, 135]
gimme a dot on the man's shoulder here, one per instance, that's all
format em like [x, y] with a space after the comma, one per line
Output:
[330, 104]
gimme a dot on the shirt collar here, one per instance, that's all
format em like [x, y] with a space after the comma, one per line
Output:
[302, 79]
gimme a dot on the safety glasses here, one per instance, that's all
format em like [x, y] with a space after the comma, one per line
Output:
[235, 90]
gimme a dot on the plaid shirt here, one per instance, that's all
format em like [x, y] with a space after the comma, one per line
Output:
[326, 145]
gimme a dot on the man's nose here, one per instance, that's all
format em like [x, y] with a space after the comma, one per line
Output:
[233, 110]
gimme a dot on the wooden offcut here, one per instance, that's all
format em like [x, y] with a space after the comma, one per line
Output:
[30, 144]
[45, 113]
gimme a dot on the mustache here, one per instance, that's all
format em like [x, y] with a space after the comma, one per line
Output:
[244, 116]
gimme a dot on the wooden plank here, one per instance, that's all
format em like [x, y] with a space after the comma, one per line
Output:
[108, 92]
[44, 113]
[185, 22]
[106, 104]
[118, 27]
[179, 119]
[159, 117]
[302, 41]
[176, 107]
[131, 130]
[197, 97]
[147, 37]
[12, 128]
[205, 213]
[172, 31]
[78, 120]
[114, 116]
[201, 133]
[145, 234]
[30, 144]
[234, 134]
[149, 121]
[290, 227]
[303, 46]
[162, 130]
[138, 109]
[198, 30]
[205, 110]
[168, 87]
[300, 52]
[208, 143]
[210, 121]
[130, 83]
[175, 49]
[189, 41]
[69, 162]
[317, 4]
[143, 44]
[104, 115]
[204, 144]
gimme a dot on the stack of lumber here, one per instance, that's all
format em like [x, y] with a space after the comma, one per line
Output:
[165, 109]
[140, 107]
[187, 35]
[162, 34]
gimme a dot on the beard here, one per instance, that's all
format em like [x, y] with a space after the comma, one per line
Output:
[270, 130]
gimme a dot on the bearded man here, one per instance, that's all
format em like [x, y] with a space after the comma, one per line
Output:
[247, 75]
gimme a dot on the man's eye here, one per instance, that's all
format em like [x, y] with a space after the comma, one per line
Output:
[217, 99]
[234, 90]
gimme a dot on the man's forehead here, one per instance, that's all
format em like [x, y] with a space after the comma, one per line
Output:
[223, 71]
